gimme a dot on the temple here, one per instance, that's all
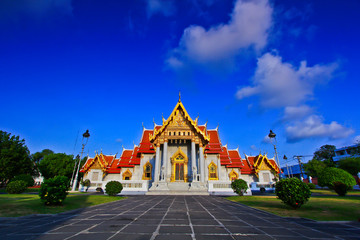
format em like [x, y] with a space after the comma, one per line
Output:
[180, 157]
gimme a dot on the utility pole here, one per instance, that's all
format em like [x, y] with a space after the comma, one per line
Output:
[300, 165]
[86, 135]
[287, 168]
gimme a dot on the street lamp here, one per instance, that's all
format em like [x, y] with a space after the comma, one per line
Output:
[271, 136]
[86, 135]
[72, 176]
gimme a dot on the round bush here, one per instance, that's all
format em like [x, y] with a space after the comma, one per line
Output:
[26, 178]
[86, 183]
[53, 191]
[311, 185]
[113, 188]
[330, 175]
[292, 192]
[16, 187]
[340, 188]
[239, 186]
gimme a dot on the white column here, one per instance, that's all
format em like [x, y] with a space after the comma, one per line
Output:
[218, 168]
[202, 165]
[165, 160]
[193, 161]
[157, 164]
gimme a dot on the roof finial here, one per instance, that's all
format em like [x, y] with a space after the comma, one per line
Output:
[101, 150]
[163, 119]
[143, 125]
[123, 147]
[217, 127]
[179, 96]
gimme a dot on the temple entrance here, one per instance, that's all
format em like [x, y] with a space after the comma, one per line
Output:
[179, 167]
[179, 172]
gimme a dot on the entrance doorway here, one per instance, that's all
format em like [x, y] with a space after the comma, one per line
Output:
[179, 163]
[179, 172]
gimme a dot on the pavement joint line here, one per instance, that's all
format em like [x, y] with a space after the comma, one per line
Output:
[137, 217]
[218, 206]
[86, 230]
[158, 227]
[190, 223]
[220, 223]
[259, 210]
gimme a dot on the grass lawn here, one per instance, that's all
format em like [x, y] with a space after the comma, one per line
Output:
[331, 192]
[321, 208]
[15, 205]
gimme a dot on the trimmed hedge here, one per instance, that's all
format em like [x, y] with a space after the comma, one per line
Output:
[113, 188]
[292, 192]
[53, 191]
[239, 186]
[340, 188]
[16, 187]
[311, 185]
[26, 178]
[330, 175]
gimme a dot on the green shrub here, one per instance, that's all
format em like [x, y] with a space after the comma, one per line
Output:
[53, 191]
[311, 185]
[331, 175]
[26, 178]
[86, 183]
[341, 188]
[16, 187]
[292, 192]
[113, 188]
[239, 186]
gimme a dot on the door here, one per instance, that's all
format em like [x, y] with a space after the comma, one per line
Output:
[179, 172]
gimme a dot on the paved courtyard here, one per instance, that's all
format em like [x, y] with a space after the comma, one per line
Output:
[171, 217]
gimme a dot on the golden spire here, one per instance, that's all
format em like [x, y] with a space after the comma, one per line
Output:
[179, 96]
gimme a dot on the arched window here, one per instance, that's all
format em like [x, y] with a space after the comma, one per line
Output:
[147, 171]
[127, 175]
[212, 171]
[233, 175]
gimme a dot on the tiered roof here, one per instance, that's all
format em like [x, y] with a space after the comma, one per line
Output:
[230, 158]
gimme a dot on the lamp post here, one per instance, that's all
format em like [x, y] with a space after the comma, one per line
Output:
[72, 176]
[86, 135]
[271, 136]
[287, 167]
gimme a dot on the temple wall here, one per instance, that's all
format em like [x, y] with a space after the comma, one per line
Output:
[112, 177]
[249, 178]
[211, 158]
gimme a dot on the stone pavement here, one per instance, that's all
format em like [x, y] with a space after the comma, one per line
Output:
[171, 217]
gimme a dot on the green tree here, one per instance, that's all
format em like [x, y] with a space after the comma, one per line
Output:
[351, 165]
[14, 157]
[326, 154]
[314, 167]
[56, 164]
[37, 157]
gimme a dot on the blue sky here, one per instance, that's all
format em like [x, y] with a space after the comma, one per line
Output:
[249, 66]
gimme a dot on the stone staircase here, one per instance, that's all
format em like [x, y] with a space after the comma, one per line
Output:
[178, 188]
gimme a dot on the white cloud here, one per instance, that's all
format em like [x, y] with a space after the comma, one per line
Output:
[248, 27]
[280, 84]
[165, 7]
[357, 139]
[314, 127]
[293, 113]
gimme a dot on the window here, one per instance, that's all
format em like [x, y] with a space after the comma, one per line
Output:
[147, 171]
[127, 175]
[188, 133]
[95, 176]
[266, 177]
[169, 133]
[212, 171]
